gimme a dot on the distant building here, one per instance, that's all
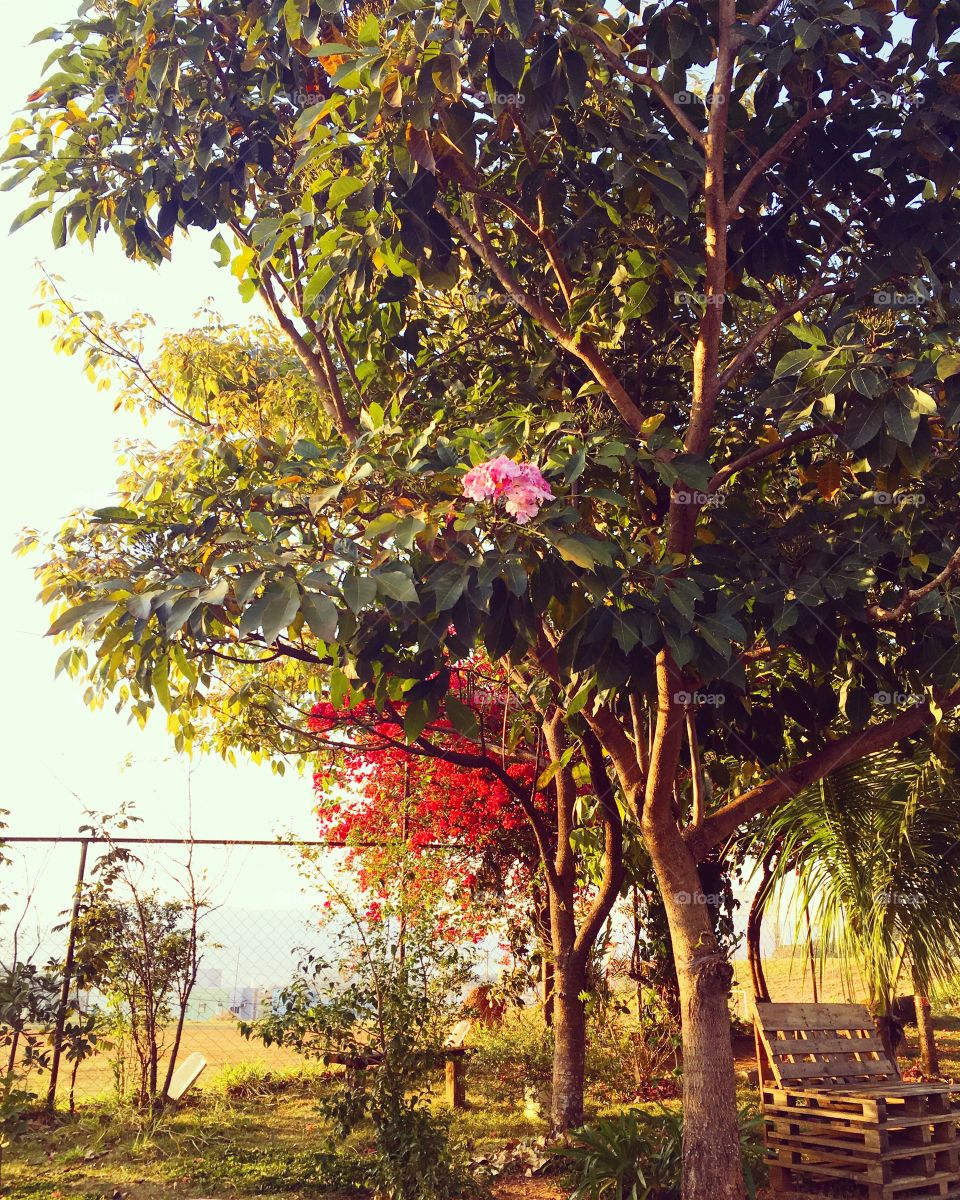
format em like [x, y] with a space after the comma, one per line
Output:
[207, 1003]
[249, 1003]
[209, 977]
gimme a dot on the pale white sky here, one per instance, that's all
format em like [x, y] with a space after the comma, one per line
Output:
[58, 433]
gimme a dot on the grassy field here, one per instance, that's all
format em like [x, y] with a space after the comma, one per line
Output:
[254, 1129]
[268, 1142]
[220, 1043]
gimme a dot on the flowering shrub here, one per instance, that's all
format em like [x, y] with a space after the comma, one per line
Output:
[455, 835]
[518, 486]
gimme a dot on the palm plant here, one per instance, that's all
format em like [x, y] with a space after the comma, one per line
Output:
[871, 855]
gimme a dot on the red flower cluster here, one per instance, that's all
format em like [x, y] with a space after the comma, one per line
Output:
[444, 828]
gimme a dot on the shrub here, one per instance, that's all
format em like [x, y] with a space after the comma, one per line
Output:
[631, 1056]
[639, 1155]
[514, 1056]
[249, 1080]
[383, 1011]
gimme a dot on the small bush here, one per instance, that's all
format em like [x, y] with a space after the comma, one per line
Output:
[514, 1056]
[250, 1080]
[639, 1155]
[632, 1057]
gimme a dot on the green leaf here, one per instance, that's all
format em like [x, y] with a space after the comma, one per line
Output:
[396, 585]
[901, 421]
[180, 613]
[321, 615]
[86, 612]
[359, 591]
[281, 602]
[948, 365]
[447, 586]
[862, 424]
[28, 214]
[462, 717]
[574, 550]
[115, 514]
[416, 719]
[794, 361]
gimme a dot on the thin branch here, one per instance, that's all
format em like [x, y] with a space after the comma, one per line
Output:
[759, 453]
[614, 870]
[696, 774]
[580, 346]
[642, 78]
[780, 317]
[774, 154]
[889, 616]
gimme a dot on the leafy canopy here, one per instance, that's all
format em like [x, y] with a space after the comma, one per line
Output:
[492, 227]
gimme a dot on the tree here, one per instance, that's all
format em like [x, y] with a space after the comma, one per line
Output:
[723, 329]
[142, 952]
[382, 1009]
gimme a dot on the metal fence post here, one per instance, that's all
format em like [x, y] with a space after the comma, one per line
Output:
[65, 989]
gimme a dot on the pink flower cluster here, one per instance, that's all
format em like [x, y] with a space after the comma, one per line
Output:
[520, 486]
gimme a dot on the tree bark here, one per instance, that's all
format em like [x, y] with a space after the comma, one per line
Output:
[546, 988]
[570, 1045]
[712, 1168]
[754, 929]
[929, 1056]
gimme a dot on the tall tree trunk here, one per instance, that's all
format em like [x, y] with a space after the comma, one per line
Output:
[929, 1056]
[754, 929]
[712, 1168]
[570, 1045]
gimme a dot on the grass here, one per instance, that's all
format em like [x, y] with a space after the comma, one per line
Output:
[251, 1133]
[254, 1130]
[220, 1043]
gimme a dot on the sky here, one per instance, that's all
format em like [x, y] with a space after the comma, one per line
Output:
[59, 758]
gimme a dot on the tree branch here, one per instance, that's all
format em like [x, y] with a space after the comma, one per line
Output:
[613, 870]
[851, 747]
[782, 315]
[642, 78]
[759, 453]
[889, 616]
[773, 155]
[580, 347]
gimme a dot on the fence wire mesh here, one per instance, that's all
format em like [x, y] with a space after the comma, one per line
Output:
[259, 917]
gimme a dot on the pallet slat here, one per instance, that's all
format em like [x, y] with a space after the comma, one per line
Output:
[838, 1110]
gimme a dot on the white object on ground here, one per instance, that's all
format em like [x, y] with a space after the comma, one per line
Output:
[186, 1075]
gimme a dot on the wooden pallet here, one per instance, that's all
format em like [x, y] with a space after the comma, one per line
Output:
[836, 1111]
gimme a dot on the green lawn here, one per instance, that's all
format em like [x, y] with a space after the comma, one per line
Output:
[256, 1132]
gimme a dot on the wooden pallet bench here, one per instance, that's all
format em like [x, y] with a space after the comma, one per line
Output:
[836, 1111]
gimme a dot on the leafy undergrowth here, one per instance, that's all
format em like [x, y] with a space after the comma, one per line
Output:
[266, 1142]
[256, 1135]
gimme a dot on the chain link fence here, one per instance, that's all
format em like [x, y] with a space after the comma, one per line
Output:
[259, 916]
